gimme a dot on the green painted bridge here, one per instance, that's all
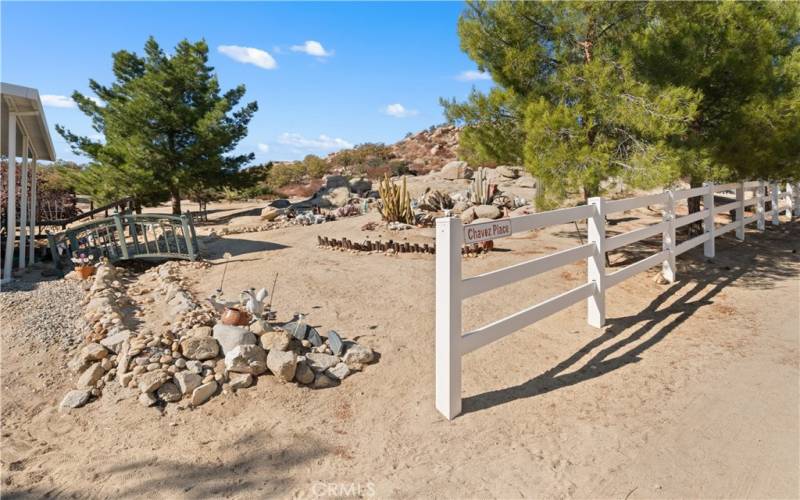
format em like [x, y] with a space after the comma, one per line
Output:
[128, 236]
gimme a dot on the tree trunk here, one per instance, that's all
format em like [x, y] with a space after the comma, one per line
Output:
[176, 201]
[695, 228]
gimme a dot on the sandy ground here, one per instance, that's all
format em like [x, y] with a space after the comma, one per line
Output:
[692, 390]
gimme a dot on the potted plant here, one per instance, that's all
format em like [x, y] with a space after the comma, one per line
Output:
[84, 265]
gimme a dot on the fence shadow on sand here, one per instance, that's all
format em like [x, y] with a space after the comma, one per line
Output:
[758, 262]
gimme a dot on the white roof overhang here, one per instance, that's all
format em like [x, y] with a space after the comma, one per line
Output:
[31, 121]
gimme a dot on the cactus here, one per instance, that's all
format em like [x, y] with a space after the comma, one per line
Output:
[482, 191]
[395, 202]
[435, 201]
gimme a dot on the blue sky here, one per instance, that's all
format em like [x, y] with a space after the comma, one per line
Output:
[325, 75]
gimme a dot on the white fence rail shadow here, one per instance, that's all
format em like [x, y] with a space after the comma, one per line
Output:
[452, 288]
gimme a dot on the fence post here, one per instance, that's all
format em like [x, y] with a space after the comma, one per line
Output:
[121, 235]
[760, 205]
[789, 201]
[448, 316]
[187, 236]
[773, 188]
[596, 264]
[740, 211]
[668, 239]
[708, 222]
[796, 198]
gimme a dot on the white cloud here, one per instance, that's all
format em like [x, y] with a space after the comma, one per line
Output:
[399, 111]
[312, 48]
[57, 101]
[249, 55]
[264, 148]
[323, 142]
[473, 75]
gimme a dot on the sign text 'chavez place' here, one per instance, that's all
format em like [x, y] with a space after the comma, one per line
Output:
[484, 231]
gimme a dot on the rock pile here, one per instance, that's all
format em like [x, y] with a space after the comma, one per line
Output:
[189, 360]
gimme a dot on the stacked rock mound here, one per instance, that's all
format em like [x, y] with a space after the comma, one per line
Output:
[190, 360]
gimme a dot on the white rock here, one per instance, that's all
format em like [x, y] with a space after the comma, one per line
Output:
[246, 359]
[203, 393]
[150, 381]
[199, 348]
[232, 336]
[357, 354]
[320, 362]
[486, 211]
[282, 364]
[339, 372]
[93, 352]
[75, 399]
[240, 381]
[187, 381]
[90, 376]
[147, 399]
[456, 170]
[115, 342]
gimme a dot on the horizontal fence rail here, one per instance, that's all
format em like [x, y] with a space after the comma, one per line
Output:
[452, 288]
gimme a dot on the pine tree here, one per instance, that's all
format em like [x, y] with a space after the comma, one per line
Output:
[167, 127]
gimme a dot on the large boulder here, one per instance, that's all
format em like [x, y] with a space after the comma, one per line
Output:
[486, 212]
[337, 197]
[456, 170]
[231, 336]
[508, 172]
[334, 181]
[246, 359]
[360, 185]
[270, 213]
[282, 364]
[199, 348]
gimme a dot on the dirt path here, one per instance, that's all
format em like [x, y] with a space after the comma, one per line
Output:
[691, 391]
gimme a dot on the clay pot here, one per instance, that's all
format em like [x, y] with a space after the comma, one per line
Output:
[235, 317]
[85, 271]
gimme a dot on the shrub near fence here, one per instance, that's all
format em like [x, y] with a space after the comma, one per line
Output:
[452, 288]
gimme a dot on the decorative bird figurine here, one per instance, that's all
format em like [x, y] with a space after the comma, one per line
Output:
[220, 306]
[254, 303]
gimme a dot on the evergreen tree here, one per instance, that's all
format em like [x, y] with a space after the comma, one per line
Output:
[167, 127]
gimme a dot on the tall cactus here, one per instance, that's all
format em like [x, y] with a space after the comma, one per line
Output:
[395, 202]
[482, 191]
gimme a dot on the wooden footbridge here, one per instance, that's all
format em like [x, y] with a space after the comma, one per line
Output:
[128, 236]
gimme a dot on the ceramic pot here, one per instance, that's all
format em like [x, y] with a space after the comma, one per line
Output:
[235, 317]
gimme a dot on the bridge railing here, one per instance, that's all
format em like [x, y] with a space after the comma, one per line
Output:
[452, 288]
[128, 236]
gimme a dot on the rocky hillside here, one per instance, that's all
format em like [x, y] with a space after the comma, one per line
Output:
[430, 149]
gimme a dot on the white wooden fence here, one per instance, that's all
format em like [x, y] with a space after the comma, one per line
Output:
[452, 288]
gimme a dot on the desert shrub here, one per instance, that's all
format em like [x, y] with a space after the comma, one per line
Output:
[283, 174]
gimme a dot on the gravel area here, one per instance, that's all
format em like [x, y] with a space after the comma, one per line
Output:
[48, 311]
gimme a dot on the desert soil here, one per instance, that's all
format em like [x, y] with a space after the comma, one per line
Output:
[692, 390]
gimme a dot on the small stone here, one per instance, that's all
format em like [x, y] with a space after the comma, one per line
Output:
[276, 339]
[260, 327]
[303, 374]
[90, 376]
[200, 348]
[180, 363]
[321, 381]
[320, 362]
[339, 372]
[150, 381]
[93, 352]
[138, 370]
[187, 381]
[240, 381]
[247, 359]
[305, 343]
[125, 379]
[195, 366]
[75, 399]
[335, 343]
[201, 331]
[114, 342]
[153, 367]
[208, 378]
[357, 353]
[282, 364]
[147, 399]
[107, 364]
[203, 393]
[169, 392]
